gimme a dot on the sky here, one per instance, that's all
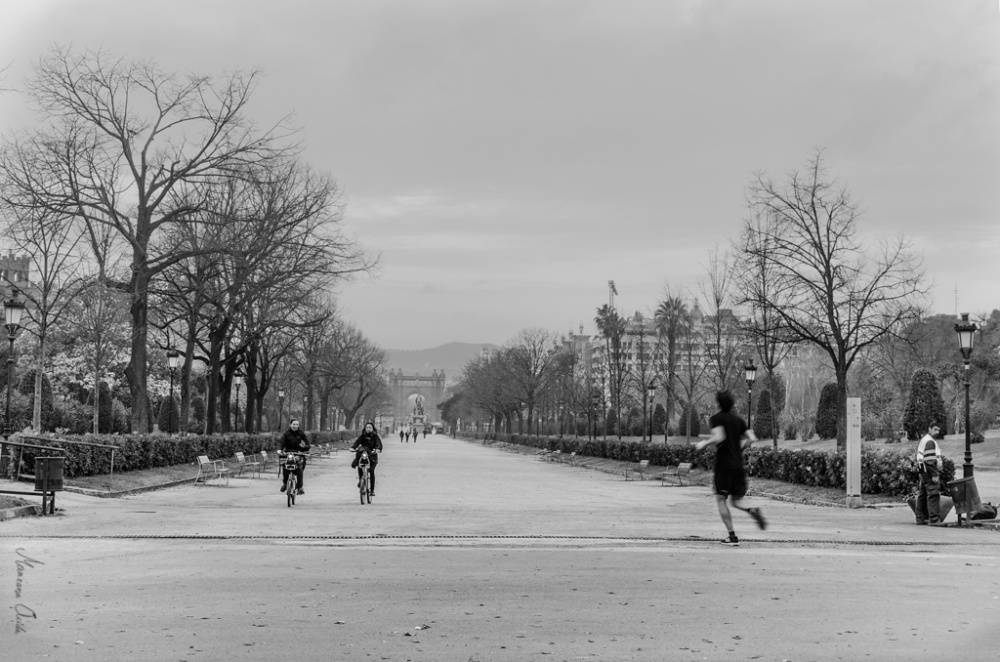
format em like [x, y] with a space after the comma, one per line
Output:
[507, 158]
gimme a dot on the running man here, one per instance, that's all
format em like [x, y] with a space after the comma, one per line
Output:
[731, 435]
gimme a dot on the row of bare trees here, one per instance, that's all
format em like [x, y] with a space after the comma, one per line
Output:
[159, 188]
[800, 275]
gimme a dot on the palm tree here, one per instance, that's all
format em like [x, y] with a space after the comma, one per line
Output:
[612, 327]
[671, 318]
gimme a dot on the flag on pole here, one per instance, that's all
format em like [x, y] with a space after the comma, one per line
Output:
[611, 284]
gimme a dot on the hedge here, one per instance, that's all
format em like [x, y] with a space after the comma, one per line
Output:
[137, 452]
[889, 472]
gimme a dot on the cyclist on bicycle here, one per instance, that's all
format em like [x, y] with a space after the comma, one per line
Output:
[294, 441]
[371, 442]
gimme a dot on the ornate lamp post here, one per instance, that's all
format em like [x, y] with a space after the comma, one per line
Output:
[281, 405]
[966, 338]
[651, 393]
[13, 309]
[750, 371]
[173, 360]
[238, 380]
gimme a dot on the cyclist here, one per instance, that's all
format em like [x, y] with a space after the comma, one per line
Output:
[294, 441]
[371, 442]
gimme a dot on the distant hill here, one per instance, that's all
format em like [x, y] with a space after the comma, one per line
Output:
[450, 357]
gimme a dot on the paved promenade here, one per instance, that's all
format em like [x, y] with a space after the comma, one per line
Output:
[473, 553]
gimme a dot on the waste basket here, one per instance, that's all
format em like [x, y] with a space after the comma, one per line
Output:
[965, 494]
[48, 470]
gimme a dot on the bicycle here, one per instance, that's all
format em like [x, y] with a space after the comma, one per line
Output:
[364, 481]
[292, 462]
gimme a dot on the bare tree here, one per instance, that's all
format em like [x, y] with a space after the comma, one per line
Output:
[126, 142]
[366, 365]
[530, 366]
[643, 372]
[487, 385]
[837, 293]
[692, 367]
[723, 342]
[50, 246]
[756, 279]
[102, 323]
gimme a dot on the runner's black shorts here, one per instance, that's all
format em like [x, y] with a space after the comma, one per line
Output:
[731, 483]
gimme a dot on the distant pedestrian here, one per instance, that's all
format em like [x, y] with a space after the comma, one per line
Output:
[407, 436]
[929, 464]
[400, 435]
[425, 433]
[731, 435]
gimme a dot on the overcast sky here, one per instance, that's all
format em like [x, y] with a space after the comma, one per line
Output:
[508, 158]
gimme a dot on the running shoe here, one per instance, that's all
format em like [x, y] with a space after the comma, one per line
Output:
[730, 542]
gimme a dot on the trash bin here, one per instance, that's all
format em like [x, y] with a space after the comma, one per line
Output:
[965, 494]
[48, 469]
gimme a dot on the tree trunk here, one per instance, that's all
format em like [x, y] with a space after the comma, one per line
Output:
[215, 336]
[36, 414]
[136, 373]
[250, 379]
[97, 391]
[185, 377]
[841, 409]
[774, 416]
[324, 411]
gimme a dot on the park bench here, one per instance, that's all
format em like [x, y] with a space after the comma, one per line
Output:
[555, 456]
[320, 450]
[678, 472]
[263, 458]
[571, 458]
[209, 469]
[246, 465]
[638, 470]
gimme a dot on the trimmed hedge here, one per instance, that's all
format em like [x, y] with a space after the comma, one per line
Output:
[137, 452]
[890, 472]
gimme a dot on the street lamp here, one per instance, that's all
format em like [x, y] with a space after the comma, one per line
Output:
[173, 360]
[238, 380]
[651, 392]
[13, 309]
[281, 405]
[966, 338]
[750, 371]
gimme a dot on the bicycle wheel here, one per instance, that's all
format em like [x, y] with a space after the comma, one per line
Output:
[290, 488]
[363, 485]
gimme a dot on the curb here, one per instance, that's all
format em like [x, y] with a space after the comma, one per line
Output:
[20, 511]
[104, 494]
[605, 465]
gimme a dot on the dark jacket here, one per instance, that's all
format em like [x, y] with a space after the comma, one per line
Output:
[293, 440]
[369, 441]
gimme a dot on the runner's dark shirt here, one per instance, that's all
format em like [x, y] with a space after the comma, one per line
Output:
[729, 453]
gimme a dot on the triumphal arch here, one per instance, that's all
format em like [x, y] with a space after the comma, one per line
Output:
[415, 398]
